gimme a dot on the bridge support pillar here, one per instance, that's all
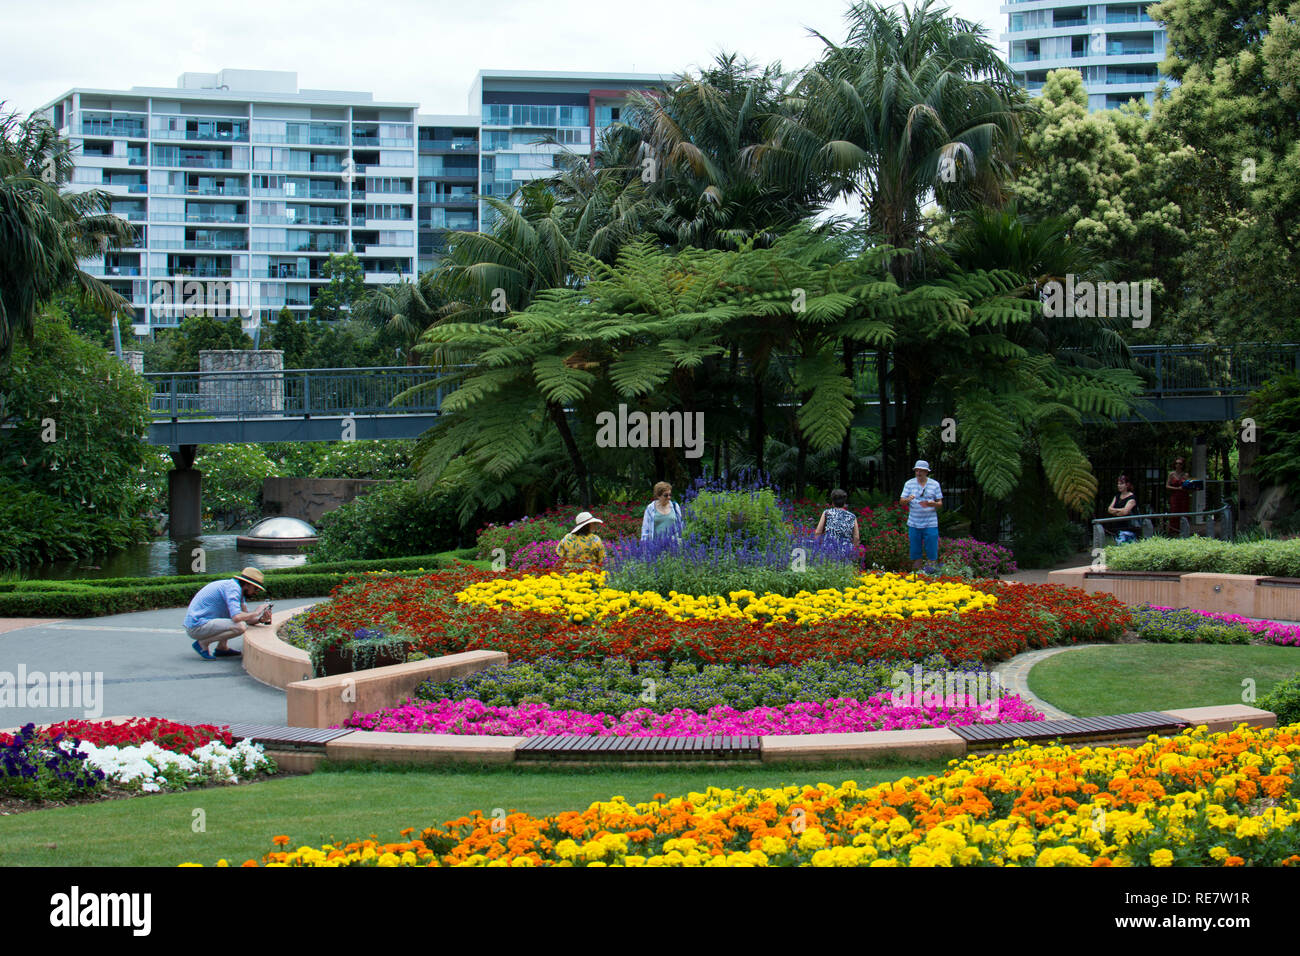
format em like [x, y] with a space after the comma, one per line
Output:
[184, 494]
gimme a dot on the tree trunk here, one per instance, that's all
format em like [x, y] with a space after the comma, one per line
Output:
[886, 459]
[758, 430]
[801, 467]
[575, 456]
[849, 354]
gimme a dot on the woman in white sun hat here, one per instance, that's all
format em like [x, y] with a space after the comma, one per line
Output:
[924, 498]
[582, 548]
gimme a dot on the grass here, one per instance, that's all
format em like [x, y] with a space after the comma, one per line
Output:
[347, 803]
[1125, 678]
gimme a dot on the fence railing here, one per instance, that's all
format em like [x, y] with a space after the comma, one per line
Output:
[1218, 523]
[299, 393]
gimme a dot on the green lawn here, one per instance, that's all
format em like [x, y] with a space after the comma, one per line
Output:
[157, 830]
[1125, 678]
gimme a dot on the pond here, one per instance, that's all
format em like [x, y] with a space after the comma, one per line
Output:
[163, 556]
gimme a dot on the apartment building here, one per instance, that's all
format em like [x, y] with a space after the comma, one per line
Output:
[530, 117]
[1116, 47]
[241, 179]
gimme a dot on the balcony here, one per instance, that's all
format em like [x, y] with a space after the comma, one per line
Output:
[1116, 79]
[196, 136]
[319, 247]
[214, 217]
[220, 245]
[461, 144]
[133, 128]
[201, 162]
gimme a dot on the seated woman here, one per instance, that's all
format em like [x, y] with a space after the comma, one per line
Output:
[1123, 504]
[581, 549]
[836, 522]
[663, 516]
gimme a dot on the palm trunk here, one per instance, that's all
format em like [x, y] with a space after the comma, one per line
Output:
[848, 432]
[758, 431]
[556, 412]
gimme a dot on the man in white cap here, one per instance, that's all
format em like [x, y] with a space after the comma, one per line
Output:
[925, 499]
[582, 548]
[218, 613]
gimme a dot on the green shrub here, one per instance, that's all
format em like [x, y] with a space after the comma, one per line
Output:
[1267, 558]
[393, 521]
[1284, 700]
[686, 576]
[146, 594]
[754, 516]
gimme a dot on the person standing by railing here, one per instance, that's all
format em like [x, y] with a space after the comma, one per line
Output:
[1122, 505]
[1180, 499]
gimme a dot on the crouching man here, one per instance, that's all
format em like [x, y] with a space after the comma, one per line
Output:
[218, 613]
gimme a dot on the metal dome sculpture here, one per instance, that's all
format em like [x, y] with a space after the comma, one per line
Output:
[280, 533]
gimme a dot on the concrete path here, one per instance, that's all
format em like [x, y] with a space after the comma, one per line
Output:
[146, 666]
[1014, 676]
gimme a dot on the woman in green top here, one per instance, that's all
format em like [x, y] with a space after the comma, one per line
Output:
[662, 516]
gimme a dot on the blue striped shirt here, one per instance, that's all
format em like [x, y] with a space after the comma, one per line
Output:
[918, 515]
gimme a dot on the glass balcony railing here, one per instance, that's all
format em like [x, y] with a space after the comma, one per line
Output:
[214, 217]
[117, 127]
[198, 162]
[1114, 79]
[1071, 22]
[217, 136]
[227, 244]
[462, 143]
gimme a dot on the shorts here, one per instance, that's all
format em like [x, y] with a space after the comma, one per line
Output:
[927, 538]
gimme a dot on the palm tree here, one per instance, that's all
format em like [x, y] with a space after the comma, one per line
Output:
[45, 231]
[700, 137]
[914, 106]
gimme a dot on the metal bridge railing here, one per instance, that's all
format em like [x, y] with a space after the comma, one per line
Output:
[1223, 525]
[299, 393]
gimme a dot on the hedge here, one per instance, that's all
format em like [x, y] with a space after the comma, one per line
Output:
[85, 598]
[426, 561]
[1275, 558]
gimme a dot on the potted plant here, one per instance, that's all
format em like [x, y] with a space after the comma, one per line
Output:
[361, 650]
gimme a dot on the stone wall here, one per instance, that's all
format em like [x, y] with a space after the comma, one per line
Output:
[251, 394]
[134, 361]
[309, 498]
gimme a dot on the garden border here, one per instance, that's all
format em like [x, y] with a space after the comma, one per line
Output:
[1257, 596]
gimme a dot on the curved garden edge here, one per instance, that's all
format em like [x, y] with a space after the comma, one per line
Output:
[271, 661]
[325, 702]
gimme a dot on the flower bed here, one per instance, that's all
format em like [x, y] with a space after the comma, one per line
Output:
[835, 716]
[1170, 625]
[1024, 617]
[617, 685]
[82, 758]
[1198, 799]
[584, 597]
[139, 730]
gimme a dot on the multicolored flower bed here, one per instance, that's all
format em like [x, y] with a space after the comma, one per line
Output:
[425, 607]
[1198, 799]
[1173, 625]
[835, 716]
[78, 758]
[617, 685]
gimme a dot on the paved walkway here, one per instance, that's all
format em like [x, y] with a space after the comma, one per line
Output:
[147, 667]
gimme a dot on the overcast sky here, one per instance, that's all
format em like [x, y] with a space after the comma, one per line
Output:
[426, 52]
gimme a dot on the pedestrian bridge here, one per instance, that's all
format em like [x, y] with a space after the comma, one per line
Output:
[1184, 383]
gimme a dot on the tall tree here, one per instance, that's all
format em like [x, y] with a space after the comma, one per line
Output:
[46, 230]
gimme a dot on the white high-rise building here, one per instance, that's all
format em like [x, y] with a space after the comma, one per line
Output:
[242, 180]
[1116, 47]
